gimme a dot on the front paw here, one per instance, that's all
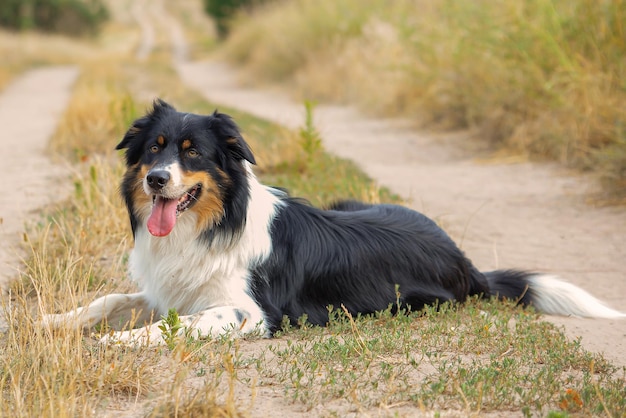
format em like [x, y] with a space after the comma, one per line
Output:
[141, 337]
[54, 321]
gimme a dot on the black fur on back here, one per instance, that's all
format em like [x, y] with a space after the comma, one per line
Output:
[355, 257]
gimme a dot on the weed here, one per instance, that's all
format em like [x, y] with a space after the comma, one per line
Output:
[171, 328]
[310, 139]
[451, 361]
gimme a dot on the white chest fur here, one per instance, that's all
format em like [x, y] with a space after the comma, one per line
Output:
[180, 271]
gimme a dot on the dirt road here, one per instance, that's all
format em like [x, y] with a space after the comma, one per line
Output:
[29, 111]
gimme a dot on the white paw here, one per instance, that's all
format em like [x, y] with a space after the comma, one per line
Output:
[55, 321]
[141, 337]
[50, 320]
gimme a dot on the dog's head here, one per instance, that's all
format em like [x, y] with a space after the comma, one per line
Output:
[182, 162]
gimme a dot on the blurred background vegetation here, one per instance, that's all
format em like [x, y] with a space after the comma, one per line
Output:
[545, 79]
[539, 79]
[223, 11]
[72, 17]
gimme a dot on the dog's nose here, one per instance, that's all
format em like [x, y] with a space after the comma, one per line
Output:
[158, 179]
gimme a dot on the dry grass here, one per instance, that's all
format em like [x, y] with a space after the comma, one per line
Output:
[62, 374]
[22, 51]
[543, 77]
[94, 119]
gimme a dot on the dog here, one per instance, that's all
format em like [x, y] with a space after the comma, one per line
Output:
[232, 255]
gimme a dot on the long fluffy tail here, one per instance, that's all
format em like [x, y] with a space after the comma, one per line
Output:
[548, 294]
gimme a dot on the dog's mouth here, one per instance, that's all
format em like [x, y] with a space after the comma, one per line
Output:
[166, 211]
[185, 202]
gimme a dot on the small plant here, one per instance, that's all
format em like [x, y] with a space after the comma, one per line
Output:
[310, 139]
[170, 328]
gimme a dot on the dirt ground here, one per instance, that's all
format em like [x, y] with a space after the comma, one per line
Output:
[505, 213]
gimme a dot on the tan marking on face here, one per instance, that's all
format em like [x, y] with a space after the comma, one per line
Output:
[224, 177]
[161, 140]
[186, 145]
[142, 202]
[231, 141]
[209, 208]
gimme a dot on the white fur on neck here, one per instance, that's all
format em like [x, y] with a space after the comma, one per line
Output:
[181, 271]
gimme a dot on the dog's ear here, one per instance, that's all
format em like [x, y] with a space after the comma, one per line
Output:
[133, 131]
[226, 130]
[158, 108]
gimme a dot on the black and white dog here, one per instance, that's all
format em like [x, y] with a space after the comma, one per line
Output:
[230, 254]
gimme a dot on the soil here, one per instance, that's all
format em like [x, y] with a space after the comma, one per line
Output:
[504, 213]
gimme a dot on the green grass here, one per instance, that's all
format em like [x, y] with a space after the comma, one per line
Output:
[482, 356]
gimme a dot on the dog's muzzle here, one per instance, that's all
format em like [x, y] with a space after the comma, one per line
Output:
[157, 179]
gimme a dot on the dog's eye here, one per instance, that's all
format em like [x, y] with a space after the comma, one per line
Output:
[192, 153]
[154, 148]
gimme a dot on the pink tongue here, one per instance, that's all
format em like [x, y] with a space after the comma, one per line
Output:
[163, 217]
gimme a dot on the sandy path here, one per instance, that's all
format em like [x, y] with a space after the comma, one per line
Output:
[29, 110]
[523, 215]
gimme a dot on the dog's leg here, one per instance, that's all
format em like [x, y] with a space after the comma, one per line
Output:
[114, 308]
[223, 320]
